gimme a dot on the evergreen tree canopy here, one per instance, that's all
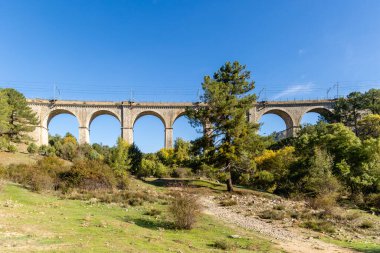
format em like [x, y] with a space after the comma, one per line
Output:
[4, 114]
[21, 119]
[225, 104]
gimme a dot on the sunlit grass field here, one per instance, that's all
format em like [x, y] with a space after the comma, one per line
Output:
[41, 222]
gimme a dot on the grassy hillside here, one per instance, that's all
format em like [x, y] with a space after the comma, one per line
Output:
[35, 222]
[7, 158]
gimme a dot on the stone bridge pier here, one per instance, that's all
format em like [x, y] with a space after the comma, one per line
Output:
[127, 113]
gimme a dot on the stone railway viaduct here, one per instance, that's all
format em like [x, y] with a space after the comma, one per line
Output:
[127, 113]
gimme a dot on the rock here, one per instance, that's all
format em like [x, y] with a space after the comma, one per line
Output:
[235, 236]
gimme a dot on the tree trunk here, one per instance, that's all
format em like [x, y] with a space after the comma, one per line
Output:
[230, 187]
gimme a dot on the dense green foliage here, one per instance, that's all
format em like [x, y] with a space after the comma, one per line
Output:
[16, 118]
[228, 97]
[349, 110]
[334, 159]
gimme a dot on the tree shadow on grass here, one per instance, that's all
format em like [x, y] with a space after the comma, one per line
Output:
[186, 182]
[153, 224]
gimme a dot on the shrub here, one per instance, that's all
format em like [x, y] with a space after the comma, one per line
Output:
[152, 168]
[46, 150]
[279, 207]
[319, 226]
[228, 202]
[68, 150]
[40, 180]
[182, 172]
[34, 177]
[326, 202]
[223, 245]
[366, 224]
[185, 209]
[153, 212]
[32, 148]
[373, 201]
[3, 143]
[88, 175]
[11, 148]
[272, 215]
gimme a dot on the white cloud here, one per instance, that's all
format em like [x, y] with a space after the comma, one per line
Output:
[295, 89]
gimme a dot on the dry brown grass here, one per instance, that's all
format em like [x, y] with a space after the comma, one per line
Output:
[7, 158]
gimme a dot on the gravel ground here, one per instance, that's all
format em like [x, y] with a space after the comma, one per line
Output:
[290, 239]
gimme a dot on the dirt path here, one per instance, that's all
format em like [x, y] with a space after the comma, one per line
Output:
[289, 239]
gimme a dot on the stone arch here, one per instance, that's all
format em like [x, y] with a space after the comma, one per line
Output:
[152, 113]
[92, 116]
[56, 112]
[320, 110]
[285, 116]
[44, 131]
[189, 129]
[157, 115]
[98, 113]
[179, 115]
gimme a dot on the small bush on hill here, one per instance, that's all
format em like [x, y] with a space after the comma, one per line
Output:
[319, 226]
[46, 150]
[326, 202]
[366, 224]
[31, 176]
[228, 202]
[272, 215]
[32, 148]
[12, 148]
[88, 175]
[152, 168]
[223, 245]
[185, 210]
[372, 201]
[182, 172]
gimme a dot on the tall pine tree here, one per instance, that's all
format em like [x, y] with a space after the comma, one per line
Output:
[225, 104]
[4, 114]
[21, 119]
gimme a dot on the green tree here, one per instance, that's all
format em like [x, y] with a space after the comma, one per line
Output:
[355, 162]
[372, 100]
[21, 118]
[120, 160]
[136, 157]
[349, 110]
[4, 114]
[225, 104]
[369, 127]
[181, 151]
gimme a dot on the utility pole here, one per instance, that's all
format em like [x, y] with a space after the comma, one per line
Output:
[258, 96]
[337, 89]
[54, 91]
[327, 93]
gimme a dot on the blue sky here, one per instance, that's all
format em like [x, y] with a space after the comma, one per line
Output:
[160, 50]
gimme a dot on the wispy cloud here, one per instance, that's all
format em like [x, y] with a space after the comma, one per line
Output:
[295, 90]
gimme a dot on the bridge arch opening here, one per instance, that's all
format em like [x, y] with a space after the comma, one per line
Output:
[314, 115]
[276, 122]
[182, 129]
[149, 132]
[60, 122]
[105, 128]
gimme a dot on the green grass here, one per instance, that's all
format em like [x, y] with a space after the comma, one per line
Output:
[361, 246]
[207, 185]
[41, 222]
